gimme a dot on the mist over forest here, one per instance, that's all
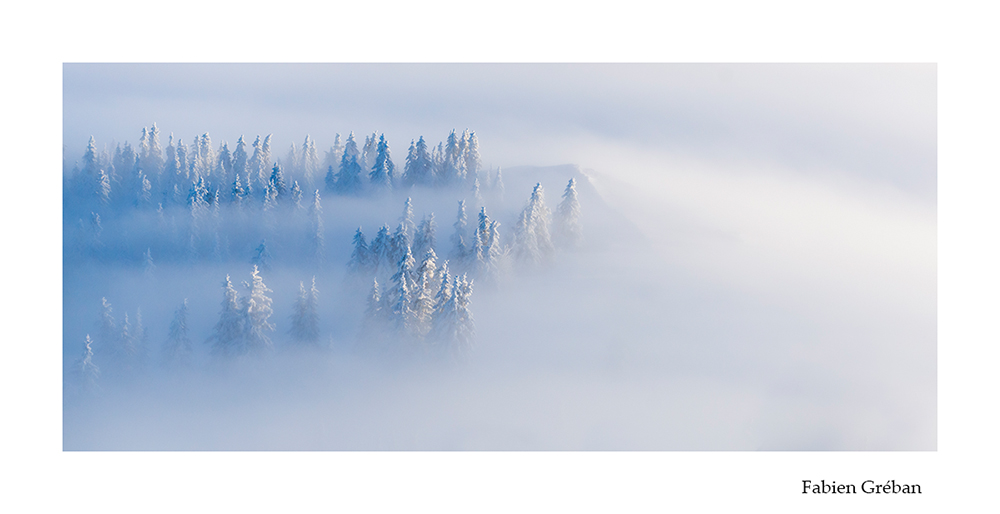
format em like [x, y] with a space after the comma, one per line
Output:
[427, 289]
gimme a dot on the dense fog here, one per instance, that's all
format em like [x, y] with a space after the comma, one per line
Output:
[673, 257]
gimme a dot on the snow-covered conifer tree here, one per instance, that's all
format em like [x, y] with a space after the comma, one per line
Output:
[334, 154]
[477, 197]
[228, 338]
[454, 164]
[295, 195]
[361, 257]
[144, 191]
[406, 219]
[381, 250]
[240, 162]
[237, 193]
[453, 326]
[438, 165]
[330, 180]
[383, 170]
[277, 182]
[399, 244]
[369, 152]
[402, 308]
[257, 306]
[183, 175]
[224, 164]
[532, 244]
[349, 176]
[310, 165]
[567, 220]
[204, 158]
[473, 162]
[90, 160]
[498, 186]
[428, 266]
[152, 155]
[305, 320]
[316, 228]
[88, 372]
[459, 238]
[177, 350]
[261, 257]
[372, 326]
[422, 305]
[148, 268]
[103, 187]
[257, 168]
[424, 238]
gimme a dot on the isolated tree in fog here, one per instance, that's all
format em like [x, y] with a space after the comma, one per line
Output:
[257, 308]
[567, 220]
[261, 257]
[177, 350]
[228, 335]
[88, 372]
[305, 320]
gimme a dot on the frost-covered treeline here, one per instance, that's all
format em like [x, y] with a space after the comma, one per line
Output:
[179, 206]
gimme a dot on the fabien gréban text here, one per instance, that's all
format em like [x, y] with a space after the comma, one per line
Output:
[866, 487]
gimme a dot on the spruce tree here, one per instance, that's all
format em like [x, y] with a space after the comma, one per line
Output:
[459, 238]
[361, 257]
[349, 175]
[177, 351]
[305, 320]
[382, 172]
[381, 250]
[402, 307]
[89, 374]
[240, 163]
[257, 307]
[424, 238]
[532, 244]
[473, 162]
[228, 338]
[316, 228]
[261, 257]
[406, 219]
[333, 155]
[567, 220]
[310, 164]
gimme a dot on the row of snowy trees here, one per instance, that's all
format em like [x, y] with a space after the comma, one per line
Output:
[483, 252]
[198, 175]
[243, 328]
